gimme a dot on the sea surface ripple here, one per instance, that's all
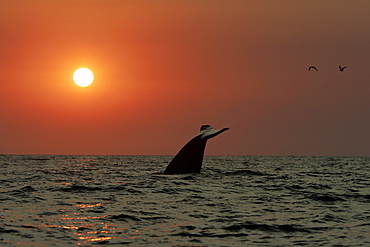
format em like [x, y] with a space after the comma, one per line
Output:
[235, 201]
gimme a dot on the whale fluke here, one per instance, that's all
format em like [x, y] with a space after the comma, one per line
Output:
[189, 159]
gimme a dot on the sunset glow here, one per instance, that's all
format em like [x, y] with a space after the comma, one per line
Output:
[161, 69]
[83, 77]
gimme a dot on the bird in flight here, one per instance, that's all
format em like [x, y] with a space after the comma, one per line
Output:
[312, 67]
[342, 68]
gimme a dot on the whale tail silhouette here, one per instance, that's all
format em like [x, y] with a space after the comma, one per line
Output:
[189, 159]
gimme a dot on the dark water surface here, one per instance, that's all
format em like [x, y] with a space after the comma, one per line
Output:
[235, 201]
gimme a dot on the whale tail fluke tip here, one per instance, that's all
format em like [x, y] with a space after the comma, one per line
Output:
[207, 131]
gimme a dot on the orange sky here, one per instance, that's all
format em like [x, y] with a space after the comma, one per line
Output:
[164, 68]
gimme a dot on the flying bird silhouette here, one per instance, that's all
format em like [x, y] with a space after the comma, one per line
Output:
[342, 68]
[312, 67]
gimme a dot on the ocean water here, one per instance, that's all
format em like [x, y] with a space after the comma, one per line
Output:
[235, 201]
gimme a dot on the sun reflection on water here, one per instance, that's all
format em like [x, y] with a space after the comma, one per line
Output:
[91, 238]
[88, 205]
[86, 228]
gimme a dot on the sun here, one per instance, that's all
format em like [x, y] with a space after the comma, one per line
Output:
[83, 77]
